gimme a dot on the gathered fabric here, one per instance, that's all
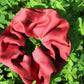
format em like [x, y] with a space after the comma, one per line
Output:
[45, 24]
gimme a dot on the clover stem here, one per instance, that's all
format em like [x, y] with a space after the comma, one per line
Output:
[31, 44]
[35, 41]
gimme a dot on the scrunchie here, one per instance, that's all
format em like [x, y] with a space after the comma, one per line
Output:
[45, 24]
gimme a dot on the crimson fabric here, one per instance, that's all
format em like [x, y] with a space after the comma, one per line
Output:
[46, 24]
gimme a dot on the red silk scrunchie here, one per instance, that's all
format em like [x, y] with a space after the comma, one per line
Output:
[46, 24]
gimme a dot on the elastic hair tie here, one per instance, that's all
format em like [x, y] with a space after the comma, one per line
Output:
[47, 30]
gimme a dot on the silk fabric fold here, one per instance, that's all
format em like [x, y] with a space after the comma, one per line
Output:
[46, 24]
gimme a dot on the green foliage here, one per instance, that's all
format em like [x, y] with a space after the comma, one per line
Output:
[73, 11]
[7, 76]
